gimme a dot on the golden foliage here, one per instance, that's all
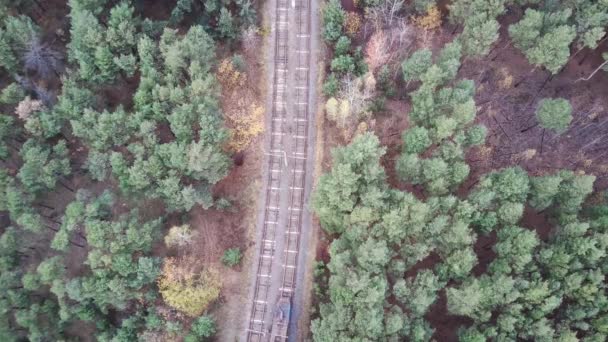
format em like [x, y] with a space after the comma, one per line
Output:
[352, 23]
[338, 111]
[228, 76]
[587, 163]
[264, 31]
[244, 117]
[485, 152]
[187, 290]
[331, 108]
[524, 155]
[245, 126]
[431, 20]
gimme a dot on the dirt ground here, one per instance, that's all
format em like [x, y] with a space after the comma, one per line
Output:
[234, 228]
[508, 92]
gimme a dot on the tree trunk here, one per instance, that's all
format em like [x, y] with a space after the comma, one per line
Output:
[593, 73]
[542, 140]
[472, 185]
[498, 52]
[77, 244]
[51, 228]
[529, 128]
[65, 185]
[502, 129]
[524, 78]
[547, 80]
[82, 236]
[44, 206]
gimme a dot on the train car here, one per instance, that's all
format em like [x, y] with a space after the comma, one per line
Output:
[281, 320]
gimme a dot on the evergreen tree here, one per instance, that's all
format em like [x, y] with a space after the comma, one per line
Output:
[43, 165]
[416, 65]
[554, 114]
[440, 115]
[226, 24]
[333, 20]
[544, 37]
[99, 51]
[351, 177]
[480, 24]
[8, 130]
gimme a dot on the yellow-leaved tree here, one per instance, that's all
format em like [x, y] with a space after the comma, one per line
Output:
[352, 23]
[431, 20]
[229, 76]
[186, 289]
[245, 126]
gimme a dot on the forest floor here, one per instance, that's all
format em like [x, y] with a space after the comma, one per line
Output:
[235, 228]
[219, 230]
[508, 91]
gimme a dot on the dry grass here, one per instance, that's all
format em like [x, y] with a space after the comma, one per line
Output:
[524, 155]
[246, 118]
[506, 81]
[242, 108]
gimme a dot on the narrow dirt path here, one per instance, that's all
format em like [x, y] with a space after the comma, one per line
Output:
[284, 219]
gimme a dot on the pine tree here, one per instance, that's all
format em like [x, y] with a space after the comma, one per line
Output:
[416, 65]
[554, 114]
[333, 20]
[544, 37]
[478, 35]
[43, 165]
[226, 24]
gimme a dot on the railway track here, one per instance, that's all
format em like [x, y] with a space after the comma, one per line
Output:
[286, 166]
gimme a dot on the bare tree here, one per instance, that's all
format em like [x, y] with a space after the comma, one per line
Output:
[358, 92]
[40, 58]
[386, 14]
[47, 97]
[250, 39]
[377, 52]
